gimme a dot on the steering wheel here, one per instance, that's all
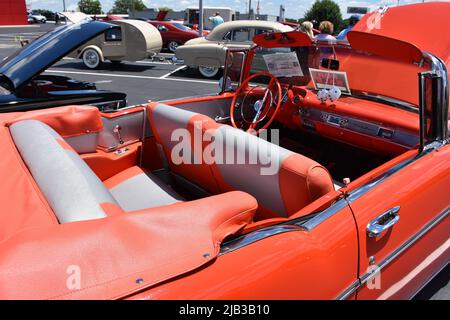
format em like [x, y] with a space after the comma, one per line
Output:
[259, 109]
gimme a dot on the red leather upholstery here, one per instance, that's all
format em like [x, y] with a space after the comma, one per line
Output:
[163, 125]
[153, 245]
[136, 189]
[295, 181]
[69, 121]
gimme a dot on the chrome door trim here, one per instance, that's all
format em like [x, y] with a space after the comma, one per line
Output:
[397, 252]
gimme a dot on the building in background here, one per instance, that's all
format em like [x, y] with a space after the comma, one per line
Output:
[13, 12]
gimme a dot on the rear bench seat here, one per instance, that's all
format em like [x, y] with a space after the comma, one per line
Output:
[72, 189]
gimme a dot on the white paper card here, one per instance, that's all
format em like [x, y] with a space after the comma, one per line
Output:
[283, 64]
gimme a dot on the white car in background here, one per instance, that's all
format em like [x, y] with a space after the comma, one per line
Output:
[36, 18]
[208, 53]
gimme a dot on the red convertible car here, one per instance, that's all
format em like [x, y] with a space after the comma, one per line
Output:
[344, 196]
[174, 34]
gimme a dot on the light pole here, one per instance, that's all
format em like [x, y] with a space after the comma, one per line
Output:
[64, 5]
[200, 18]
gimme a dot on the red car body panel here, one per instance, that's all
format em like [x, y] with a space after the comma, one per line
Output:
[173, 33]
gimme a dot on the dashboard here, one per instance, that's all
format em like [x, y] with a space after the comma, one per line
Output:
[363, 123]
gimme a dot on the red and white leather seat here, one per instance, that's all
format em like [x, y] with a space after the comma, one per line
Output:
[72, 189]
[295, 181]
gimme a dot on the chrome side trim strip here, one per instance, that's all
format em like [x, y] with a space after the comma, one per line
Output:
[408, 243]
[322, 216]
[257, 235]
[351, 289]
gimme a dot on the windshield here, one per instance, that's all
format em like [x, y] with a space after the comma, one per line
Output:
[181, 26]
[356, 73]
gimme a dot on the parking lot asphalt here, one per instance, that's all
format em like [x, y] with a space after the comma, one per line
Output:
[141, 81]
[157, 81]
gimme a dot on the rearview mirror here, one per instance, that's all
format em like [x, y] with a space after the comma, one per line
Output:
[331, 64]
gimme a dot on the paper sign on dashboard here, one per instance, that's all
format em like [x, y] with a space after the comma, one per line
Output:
[325, 79]
[283, 64]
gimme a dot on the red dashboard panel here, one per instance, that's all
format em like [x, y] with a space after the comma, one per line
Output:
[365, 124]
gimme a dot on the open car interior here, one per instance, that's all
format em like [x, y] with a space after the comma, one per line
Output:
[198, 171]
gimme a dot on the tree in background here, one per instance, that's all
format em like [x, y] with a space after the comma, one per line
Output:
[166, 9]
[323, 10]
[292, 20]
[123, 6]
[90, 6]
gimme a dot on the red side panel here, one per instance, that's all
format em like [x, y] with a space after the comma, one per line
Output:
[22, 204]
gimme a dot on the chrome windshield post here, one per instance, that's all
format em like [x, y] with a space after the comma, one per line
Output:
[433, 85]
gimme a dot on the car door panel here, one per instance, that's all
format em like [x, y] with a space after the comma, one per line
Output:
[320, 263]
[414, 248]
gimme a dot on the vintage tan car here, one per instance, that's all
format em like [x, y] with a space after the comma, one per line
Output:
[208, 53]
[131, 40]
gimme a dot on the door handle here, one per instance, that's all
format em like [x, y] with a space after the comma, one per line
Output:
[384, 221]
[116, 130]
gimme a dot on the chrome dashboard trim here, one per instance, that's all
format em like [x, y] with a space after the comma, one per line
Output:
[355, 125]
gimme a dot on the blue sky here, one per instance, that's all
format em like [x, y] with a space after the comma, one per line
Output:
[294, 8]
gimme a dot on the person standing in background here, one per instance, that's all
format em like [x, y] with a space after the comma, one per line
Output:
[216, 20]
[352, 21]
[307, 27]
[326, 29]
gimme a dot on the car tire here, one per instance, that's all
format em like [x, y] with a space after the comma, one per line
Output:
[208, 72]
[91, 58]
[172, 46]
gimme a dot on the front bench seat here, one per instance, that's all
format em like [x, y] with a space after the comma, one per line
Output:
[71, 188]
[295, 182]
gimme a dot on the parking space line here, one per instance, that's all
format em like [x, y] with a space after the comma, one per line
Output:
[131, 76]
[140, 62]
[172, 72]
